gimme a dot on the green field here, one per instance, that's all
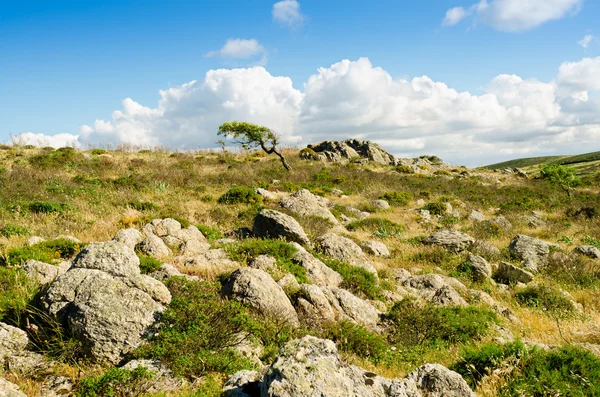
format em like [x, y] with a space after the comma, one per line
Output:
[584, 163]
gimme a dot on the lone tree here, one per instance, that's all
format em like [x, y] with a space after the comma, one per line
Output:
[251, 136]
[562, 176]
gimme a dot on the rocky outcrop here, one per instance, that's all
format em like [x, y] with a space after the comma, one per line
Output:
[14, 355]
[345, 250]
[434, 289]
[355, 308]
[532, 252]
[257, 289]
[305, 203]
[130, 237]
[274, 224]
[311, 367]
[340, 151]
[451, 240]
[105, 302]
[588, 250]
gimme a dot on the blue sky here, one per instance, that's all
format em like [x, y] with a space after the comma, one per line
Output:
[64, 64]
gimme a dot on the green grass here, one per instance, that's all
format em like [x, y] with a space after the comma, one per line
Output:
[115, 382]
[279, 249]
[524, 162]
[16, 292]
[13, 230]
[379, 227]
[148, 264]
[47, 251]
[399, 199]
[211, 233]
[240, 195]
[356, 279]
[546, 299]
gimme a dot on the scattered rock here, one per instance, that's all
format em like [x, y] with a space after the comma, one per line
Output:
[376, 248]
[105, 302]
[163, 380]
[480, 268]
[435, 380]
[434, 289]
[267, 195]
[8, 389]
[288, 283]
[531, 251]
[345, 250]
[55, 386]
[167, 271]
[447, 296]
[451, 240]
[33, 240]
[485, 250]
[535, 220]
[476, 216]
[313, 304]
[588, 250]
[355, 308]
[274, 224]
[305, 203]
[380, 204]
[244, 383]
[162, 227]
[266, 263]
[316, 271]
[511, 274]
[129, 237]
[193, 247]
[154, 246]
[44, 273]
[257, 289]
[340, 151]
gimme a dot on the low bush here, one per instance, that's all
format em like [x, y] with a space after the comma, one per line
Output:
[356, 279]
[566, 371]
[97, 152]
[57, 159]
[148, 264]
[13, 230]
[46, 207]
[399, 199]
[356, 339]
[116, 382]
[404, 169]
[211, 233]
[47, 251]
[240, 195]
[200, 331]
[418, 325]
[142, 205]
[279, 249]
[379, 227]
[545, 298]
[436, 208]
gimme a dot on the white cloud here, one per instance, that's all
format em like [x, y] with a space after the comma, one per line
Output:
[512, 116]
[287, 12]
[41, 140]
[454, 16]
[516, 15]
[586, 41]
[238, 48]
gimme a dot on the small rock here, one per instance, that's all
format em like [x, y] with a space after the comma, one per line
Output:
[193, 247]
[345, 250]
[267, 195]
[531, 251]
[588, 250]
[376, 248]
[480, 268]
[476, 216]
[8, 389]
[304, 203]
[154, 246]
[274, 224]
[33, 240]
[129, 237]
[380, 204]
[512, 274]
[451, 240]
[289, 283]
[266, 263]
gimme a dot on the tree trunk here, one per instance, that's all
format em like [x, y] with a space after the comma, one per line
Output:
[282, 158]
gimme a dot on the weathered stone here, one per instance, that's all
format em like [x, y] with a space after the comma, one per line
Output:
[154, 246]
[244, 383]
[345, 250]
[316, 271]
[266, 263]
[588, 250]
[267, 195]
[447, 296]
[33, 240]
[8, 389]
[193, 247]
[274, 224]
[112, 257]
[480, 268]
[55, 386]
[337, 151]
[167, 271]
[190, 233]
[129, 237]
[380, 204]
[44, 273]
[355, 308]
[476, 216]
[451, 240]
[435, 380]
[288, 283]
[314, 305]
[485, 249]
[511, 274]
[12, 340]
[376, 248]
[165, 227]
[304, 203]
[162, 381]
[531, 251]
[434, 289]
[257, 289]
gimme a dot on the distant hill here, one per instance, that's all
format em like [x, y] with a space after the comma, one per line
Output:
[583, 162]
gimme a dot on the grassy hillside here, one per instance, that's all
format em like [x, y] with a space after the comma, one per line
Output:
[583, 162]
[92, 194]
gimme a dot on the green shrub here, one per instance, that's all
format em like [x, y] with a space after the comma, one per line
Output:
[442, 173]
[379, 227]
[200, 331]
[142, 205]
[404, 169]
[416, 325]
[545, 298]
[356, 279]
[356, 339]
[97, 152]
[46, 207]
[57, 159]
[566, 371]
[13, 230]
[148, 264]
[308, 154]
[210, 232]
[46, 251]
[562, 176]
[435, 160]
[396, 198]
[240, 195]
[16, 291]
[116, 382]
[128, 182]
[279, 249]
[436, 208]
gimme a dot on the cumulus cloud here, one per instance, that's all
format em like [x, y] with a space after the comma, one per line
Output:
[515, 15]
[287, 12]
[55, 141]
[238, 48]
[511, 116]
[586, 41]
[454, 16]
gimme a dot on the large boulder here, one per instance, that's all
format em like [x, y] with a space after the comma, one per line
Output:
[345, 250]
[337, 151]
[257, 289]
[354, 308]
[305, 203]
[532, 252]
[105, 302]
[274, 224]
[311, 367]
[451, 240]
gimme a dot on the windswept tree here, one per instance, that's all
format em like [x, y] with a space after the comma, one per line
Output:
[251, 136]
[561, 176]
